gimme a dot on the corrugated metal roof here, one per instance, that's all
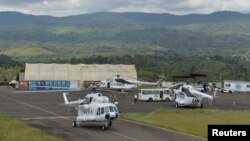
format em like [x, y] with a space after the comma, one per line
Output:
[82, 72]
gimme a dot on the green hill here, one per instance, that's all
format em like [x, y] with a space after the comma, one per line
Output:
[216, 44]
[124, 33]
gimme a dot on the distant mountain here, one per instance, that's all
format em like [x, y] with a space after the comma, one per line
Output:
[19, 18]
[122, 18]
[125, 33]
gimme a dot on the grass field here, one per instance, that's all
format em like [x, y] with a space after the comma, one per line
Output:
[191, 121]
[13, 130]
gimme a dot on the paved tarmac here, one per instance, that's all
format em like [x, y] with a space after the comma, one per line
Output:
[45, 110]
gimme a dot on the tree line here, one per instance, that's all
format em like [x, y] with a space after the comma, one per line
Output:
[150, 66]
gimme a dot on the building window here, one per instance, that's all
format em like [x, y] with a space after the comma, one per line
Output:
[248, 86]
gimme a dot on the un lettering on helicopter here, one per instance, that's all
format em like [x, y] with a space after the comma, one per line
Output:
[94, 109]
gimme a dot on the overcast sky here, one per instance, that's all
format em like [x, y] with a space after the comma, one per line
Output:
[74, 7]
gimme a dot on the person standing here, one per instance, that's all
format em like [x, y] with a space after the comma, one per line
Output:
[215, 92]
[114, 98]
[135, 98]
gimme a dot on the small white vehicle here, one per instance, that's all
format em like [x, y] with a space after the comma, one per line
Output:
[155, 95]
[226, 90]
[186, 99]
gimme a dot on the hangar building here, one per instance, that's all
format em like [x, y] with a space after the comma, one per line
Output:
[80, 74]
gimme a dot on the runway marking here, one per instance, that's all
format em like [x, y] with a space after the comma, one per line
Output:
[63, 117]
[41, 118]
[21, 102]
[130, 138]
[135, 122]
[43, 91]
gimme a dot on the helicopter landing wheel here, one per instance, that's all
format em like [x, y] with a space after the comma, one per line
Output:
[105, 127]
[74, 124]
[110, 123]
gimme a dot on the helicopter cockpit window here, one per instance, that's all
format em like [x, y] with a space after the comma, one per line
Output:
[111, 109]
[102, 110]
[189, 94]
[99, 111]
[183, 89]
[87, 100]
[115, 109]
[106, 109]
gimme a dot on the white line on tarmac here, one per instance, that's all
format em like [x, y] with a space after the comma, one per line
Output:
[135, 122]
[41, 118]
[123, 136]
[44, 91]
[29, 105]
[63, 117]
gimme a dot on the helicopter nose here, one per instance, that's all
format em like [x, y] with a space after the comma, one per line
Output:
[107, 116]
[112, 116]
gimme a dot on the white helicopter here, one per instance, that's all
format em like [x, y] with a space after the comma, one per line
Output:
[183, 98]
[194, 91]
[94, 109]
[197, 93]
[120, 83]
[187, 95]
[116, 82]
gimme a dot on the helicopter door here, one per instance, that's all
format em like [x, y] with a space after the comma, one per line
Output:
[161, 94]
[108, 86]
[100, 113]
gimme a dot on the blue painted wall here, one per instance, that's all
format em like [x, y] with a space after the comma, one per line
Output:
[49, 85]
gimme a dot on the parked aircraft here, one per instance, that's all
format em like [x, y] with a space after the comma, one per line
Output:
[185, 98]
[120, 83]
[197, 93]
[145, 82]
[94, 109]
[187, 95]
[193, 90]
